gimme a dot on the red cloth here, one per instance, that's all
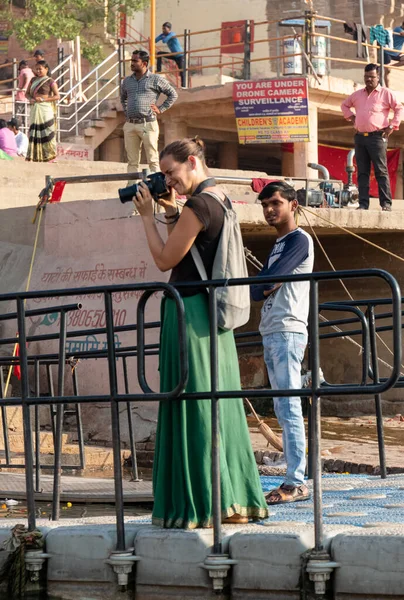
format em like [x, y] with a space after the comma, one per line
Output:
[57, 191]
[17, 368]
[334, 159]
[258, 183]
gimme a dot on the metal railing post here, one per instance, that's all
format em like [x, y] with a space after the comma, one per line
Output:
[132, 442]
[26, 415]
[80, 436]
[381, 61]
[316, 410]
[15, 73]
[185, 66]
[4, 419]
[120, 69]
[76, 124]
[216, 493]
[307, 39]
[278, 52]
[247, 51]
[97, 109]
[378, 397]
[37, 430]
[115, 425]
[57, 475]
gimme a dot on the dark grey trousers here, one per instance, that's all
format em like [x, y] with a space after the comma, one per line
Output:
[372, 149]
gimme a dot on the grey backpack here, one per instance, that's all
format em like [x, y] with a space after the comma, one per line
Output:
[233, 302]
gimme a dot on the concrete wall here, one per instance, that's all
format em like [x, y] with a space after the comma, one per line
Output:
[84, 244]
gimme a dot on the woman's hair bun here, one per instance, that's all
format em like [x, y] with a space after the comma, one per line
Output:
[199, 142]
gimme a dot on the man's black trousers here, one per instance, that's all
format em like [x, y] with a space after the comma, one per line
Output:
[178, 59]
[372, 149]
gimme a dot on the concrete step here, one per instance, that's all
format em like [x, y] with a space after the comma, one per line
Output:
[90, 131]
[96, 457]
[109, 114]
[16, 441]
[100, 123]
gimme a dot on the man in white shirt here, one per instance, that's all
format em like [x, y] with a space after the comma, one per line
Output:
[283, 328]
[20, 137]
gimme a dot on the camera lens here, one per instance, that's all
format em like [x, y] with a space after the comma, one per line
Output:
[126, 194]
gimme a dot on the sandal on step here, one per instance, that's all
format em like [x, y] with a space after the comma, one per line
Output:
[287, 493]
[235, 519]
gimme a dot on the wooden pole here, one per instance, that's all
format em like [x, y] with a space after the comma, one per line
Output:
[152, 34]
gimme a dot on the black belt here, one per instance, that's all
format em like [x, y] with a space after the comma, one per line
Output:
[370, 133]
[142, 120]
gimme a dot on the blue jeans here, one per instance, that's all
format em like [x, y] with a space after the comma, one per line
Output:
[283, 354]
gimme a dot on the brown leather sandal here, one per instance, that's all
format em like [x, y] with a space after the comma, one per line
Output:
[285, 494]
[235, 519]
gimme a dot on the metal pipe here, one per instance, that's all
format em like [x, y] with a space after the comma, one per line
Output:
[37, 431]
[350, 157]
[57, 475]
[80, 436]
[316, 423]
[215, 424]
[4, 419]
[320, 168]
[378, 398]
[132, 442]
[115, 425]
[26, 415]
[152, 35]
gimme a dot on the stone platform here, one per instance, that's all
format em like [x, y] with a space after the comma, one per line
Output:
[76, 489]
[364, 535]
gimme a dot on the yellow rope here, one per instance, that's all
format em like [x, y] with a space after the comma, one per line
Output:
[352, 233]
[304, 209]
[31, 267]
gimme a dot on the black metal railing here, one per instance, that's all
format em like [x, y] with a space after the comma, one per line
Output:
[368, 385]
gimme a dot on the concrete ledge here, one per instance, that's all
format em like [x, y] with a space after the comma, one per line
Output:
[268, 563]
[79, 553]
[360, 221]
[172, 557]
[371, 566]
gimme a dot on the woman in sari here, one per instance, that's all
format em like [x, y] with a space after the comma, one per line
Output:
[43, 94]
[182, 479]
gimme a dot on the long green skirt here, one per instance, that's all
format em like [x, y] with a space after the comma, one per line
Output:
[182, 479]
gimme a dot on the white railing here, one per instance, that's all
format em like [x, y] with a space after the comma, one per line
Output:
[80, 99]
[93, 89]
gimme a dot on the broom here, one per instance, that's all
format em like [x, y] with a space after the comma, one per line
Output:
[266, 431]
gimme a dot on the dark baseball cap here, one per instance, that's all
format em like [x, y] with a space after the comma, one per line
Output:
[39, 52]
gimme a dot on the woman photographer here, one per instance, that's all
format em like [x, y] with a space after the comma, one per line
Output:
[182, 463]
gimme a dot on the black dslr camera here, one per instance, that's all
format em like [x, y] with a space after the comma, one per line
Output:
[156, 182]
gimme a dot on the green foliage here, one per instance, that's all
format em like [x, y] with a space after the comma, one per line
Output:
[92, 52]
[64, 19]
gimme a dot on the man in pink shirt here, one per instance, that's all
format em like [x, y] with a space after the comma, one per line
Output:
[372, 126]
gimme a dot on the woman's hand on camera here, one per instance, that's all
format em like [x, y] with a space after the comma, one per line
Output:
[143, 201]
[169, 203]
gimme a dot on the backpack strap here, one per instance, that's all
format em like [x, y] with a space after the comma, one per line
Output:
[196, 255]
[216, 197]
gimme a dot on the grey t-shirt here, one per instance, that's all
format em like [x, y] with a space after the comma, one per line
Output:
[287, 308]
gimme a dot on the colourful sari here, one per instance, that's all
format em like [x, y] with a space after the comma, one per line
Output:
[42, 139]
